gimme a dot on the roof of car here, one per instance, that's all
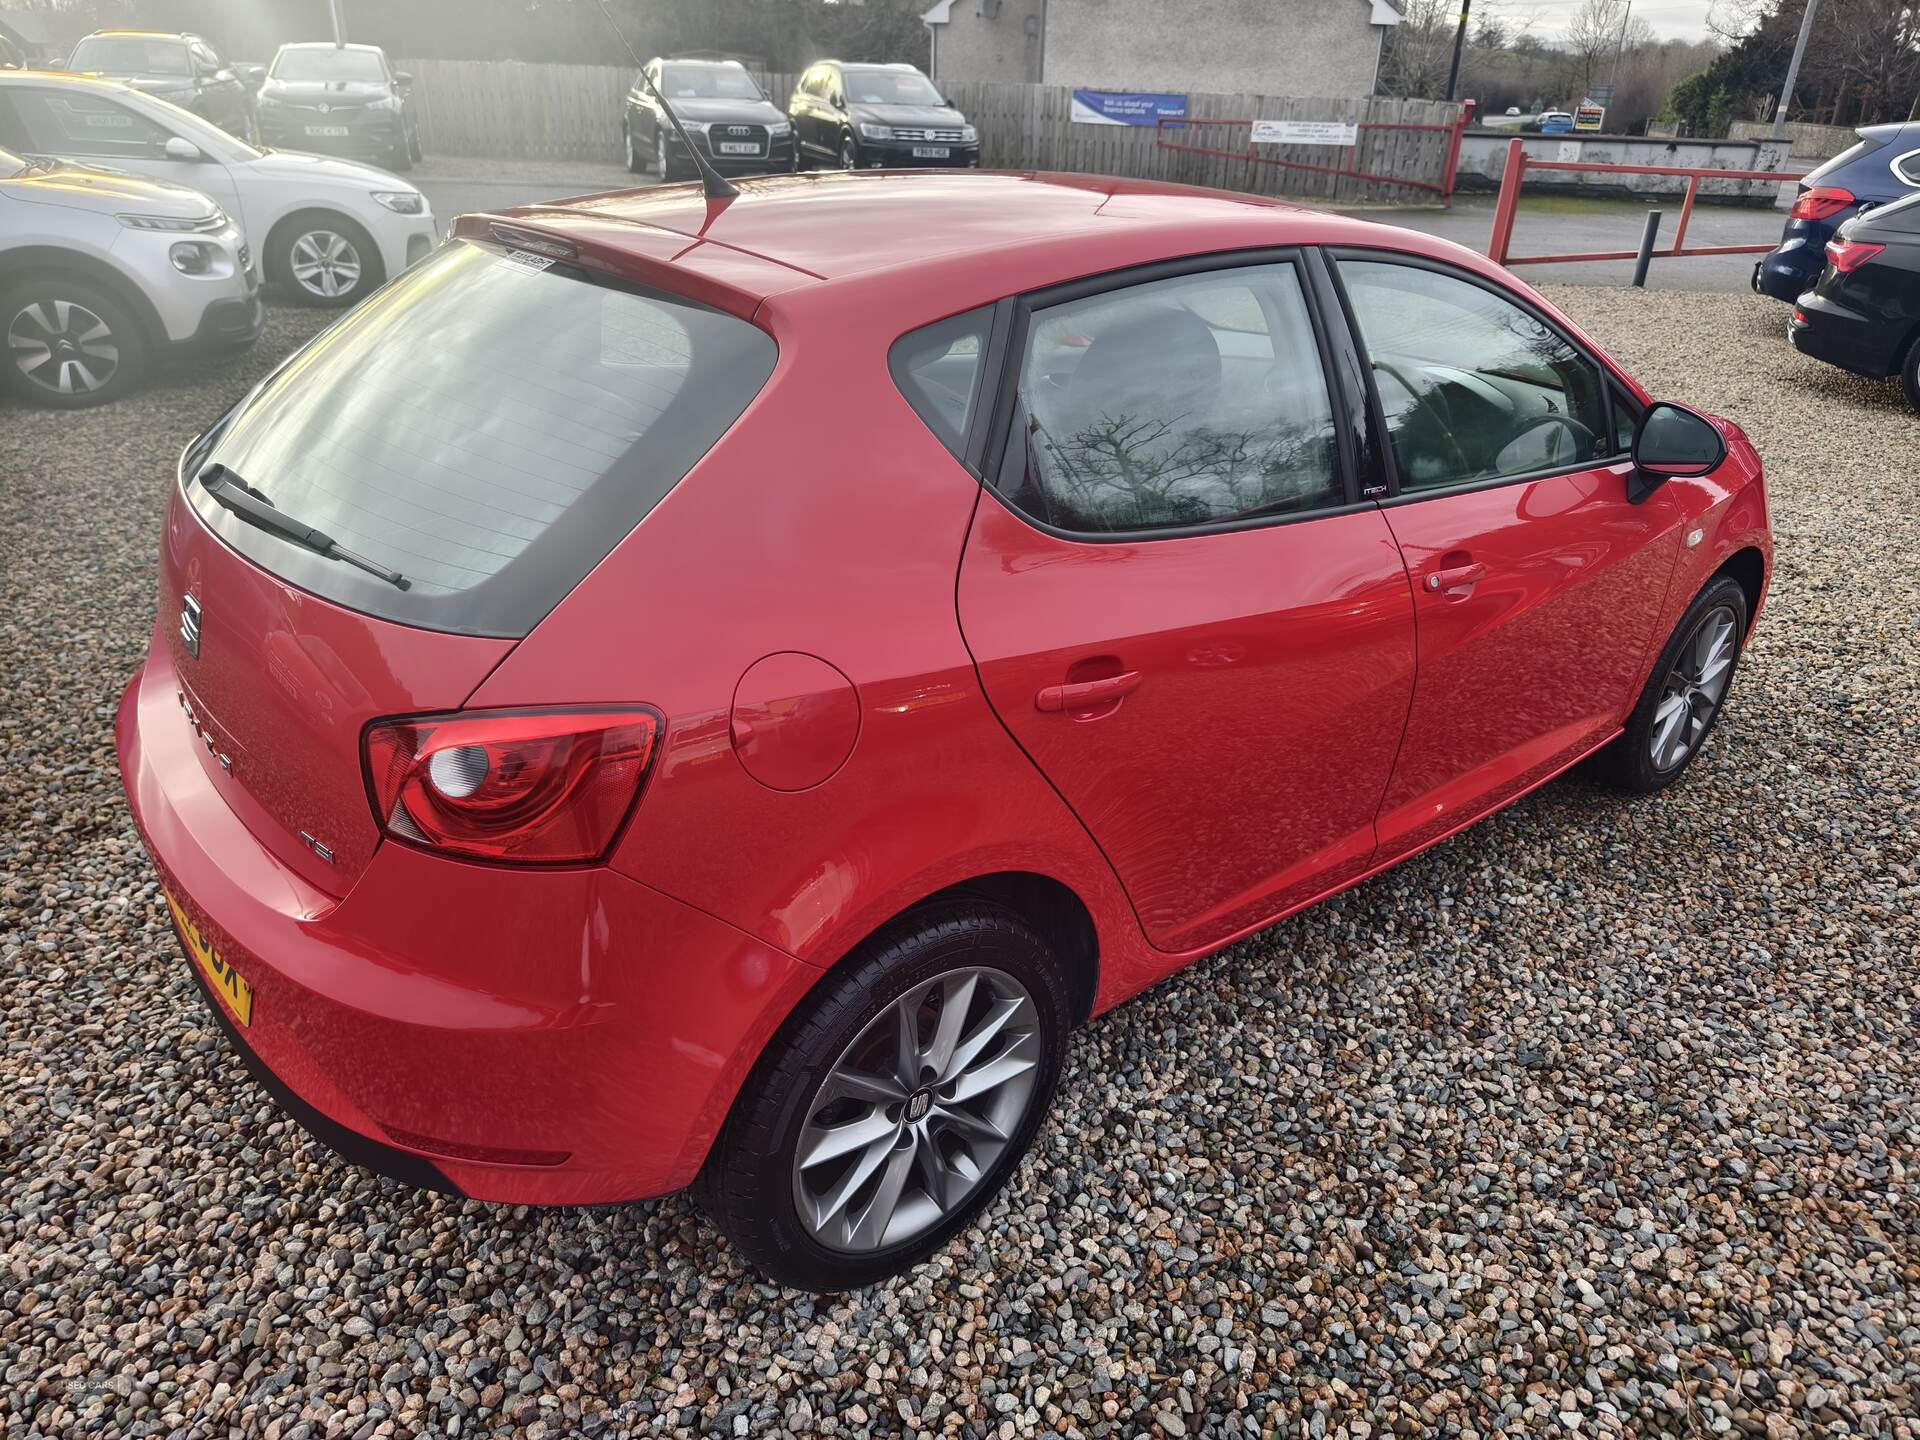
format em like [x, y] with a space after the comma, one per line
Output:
[1020, 230]
[325, 45]
[698, 60]
[139, 34]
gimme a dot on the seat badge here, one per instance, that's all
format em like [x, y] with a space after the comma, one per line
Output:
[190, 625]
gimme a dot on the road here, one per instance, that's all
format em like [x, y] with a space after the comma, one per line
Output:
[1549, 224]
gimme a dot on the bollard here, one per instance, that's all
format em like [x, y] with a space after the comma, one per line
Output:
[1645, 257]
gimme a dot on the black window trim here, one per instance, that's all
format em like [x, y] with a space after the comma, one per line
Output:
[999, 430]
[1611, 382]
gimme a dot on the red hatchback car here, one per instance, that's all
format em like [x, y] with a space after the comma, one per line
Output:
[673, 691]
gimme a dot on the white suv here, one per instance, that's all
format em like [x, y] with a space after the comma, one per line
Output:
[328, 231]
[102, 273]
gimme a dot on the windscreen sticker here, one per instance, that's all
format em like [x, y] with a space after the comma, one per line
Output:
[528, 261]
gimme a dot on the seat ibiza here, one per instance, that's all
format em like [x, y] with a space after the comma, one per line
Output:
[678, 692]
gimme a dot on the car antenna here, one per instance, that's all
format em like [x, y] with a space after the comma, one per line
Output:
[712, 181]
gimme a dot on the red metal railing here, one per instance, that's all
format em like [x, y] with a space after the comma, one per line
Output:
[1519, 162]
[1443, 187]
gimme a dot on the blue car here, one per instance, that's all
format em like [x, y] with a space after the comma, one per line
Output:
[1883, 166]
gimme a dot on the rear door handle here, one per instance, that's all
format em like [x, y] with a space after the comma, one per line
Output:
[1456, 576]
[1088, 694]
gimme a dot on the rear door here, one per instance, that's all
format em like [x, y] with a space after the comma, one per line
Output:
[1177, 602]
[1537, 583]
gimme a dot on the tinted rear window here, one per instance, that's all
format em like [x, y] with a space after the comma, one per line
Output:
[131, 55]
[490, 426]
[1839, 162]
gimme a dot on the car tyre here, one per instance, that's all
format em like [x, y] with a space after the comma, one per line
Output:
[849, 154]
[414, 152]
[1910, 372]
[662, 160]
[320, 258]
[634, 163]
[80, 331]
[880, 1147]
[1685, 695]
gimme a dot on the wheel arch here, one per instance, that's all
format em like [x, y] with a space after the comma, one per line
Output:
[1749, 568]
[52, 260]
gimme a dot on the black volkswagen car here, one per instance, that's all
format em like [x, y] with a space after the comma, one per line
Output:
[181, 68]
[340, 100]
[1864, 313]
[856, 116]
[723, 110]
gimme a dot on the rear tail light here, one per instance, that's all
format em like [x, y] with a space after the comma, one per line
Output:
[540, 787]
[1820, 203]
[1846, 256]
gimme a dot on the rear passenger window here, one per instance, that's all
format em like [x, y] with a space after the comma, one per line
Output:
[938, 369]
[1198, 400]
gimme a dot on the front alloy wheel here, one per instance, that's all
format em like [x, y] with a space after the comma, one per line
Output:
[1693, 689]
[917, 1110]
[849, 155]
[68, 343]
[325, 264]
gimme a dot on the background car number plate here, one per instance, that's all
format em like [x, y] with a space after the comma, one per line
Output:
[931, 152]
[326, 129]
[227, 982]
[739, 147]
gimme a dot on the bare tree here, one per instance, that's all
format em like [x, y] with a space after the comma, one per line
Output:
[1600, 29]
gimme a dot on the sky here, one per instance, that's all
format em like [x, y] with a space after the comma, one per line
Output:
[1671, 19]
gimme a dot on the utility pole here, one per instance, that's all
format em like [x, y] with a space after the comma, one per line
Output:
[1793, 70]
[1613, 80]
[1459, 44]
[339, 34]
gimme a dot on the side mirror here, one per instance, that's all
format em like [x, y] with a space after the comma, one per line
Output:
[178, 147]
[403, 78]
[250, 76]
[1672, 442]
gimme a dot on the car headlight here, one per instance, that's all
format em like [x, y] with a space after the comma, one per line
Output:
[215, 221]
[870, 131]
[695, 127]
[402, 202]
[778, 128]
[968, 135]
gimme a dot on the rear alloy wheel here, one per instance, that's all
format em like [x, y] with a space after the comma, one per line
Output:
[896, 1102]
[68, 344]
[1910, 373]
[1685, 695]
[634, 163]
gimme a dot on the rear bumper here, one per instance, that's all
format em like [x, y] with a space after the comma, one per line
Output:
[1785, 273]
[532, 1037]
[1843, 337]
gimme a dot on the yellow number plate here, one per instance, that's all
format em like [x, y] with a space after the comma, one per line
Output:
[228, 982]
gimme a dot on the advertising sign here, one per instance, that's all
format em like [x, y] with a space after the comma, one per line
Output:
[1589, 115]
[1306, 132]
[1126, 107]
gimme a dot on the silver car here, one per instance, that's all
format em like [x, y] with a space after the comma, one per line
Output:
[101, 274]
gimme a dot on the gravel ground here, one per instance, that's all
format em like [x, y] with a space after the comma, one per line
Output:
[1598, 1119]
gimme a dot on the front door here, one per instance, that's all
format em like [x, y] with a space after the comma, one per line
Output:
[1176, 605]
[1537, 583]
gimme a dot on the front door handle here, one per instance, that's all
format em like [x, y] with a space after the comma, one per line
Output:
[1088, 694]
[1456, 576]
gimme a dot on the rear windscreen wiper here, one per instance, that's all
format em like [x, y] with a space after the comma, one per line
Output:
[230, 492]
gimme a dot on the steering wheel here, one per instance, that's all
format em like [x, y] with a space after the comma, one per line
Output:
[1582, 437]
[1434, 400]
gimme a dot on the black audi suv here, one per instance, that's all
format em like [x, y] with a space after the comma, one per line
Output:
[724, 112]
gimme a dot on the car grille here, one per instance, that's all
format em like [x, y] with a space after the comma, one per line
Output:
[922, 132]
[754, 135]
[331, 112]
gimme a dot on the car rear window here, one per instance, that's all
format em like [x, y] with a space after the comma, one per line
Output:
[938, 370]
[490, 425]
[131, 55]
[1839, 162]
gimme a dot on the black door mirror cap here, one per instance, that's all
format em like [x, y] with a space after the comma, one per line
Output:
[1672, 442]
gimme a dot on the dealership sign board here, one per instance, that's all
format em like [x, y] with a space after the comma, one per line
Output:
[1126, 107]
[1306, 132]
[1589, 115]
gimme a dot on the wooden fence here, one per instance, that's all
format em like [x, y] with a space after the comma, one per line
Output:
[573, 112]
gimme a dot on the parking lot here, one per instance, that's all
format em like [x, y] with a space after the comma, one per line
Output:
[1595, 1118]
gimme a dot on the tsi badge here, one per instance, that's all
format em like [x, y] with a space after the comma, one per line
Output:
[190, 625]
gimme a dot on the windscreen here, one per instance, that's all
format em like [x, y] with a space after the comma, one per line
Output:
[890, 87]
[708, 82]
[130, 55]
[329, 63]
[489, 426]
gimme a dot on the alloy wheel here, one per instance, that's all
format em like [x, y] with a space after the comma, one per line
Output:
[63, 346]
[626, 135]
[1694, 688]
[917, 1110]
[848, 159]
[660, 155]
[325, 263]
